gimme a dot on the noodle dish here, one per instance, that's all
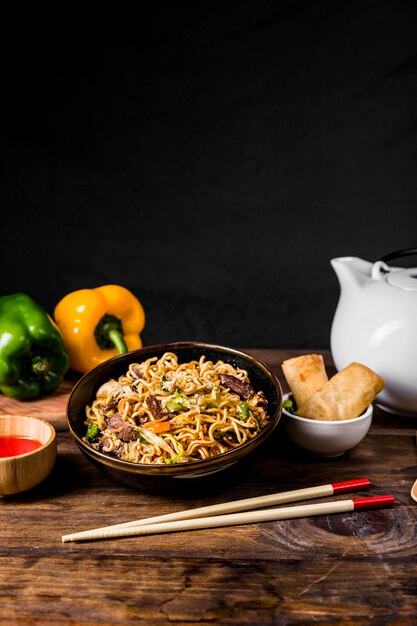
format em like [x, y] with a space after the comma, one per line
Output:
[169, 416]
[163, 412]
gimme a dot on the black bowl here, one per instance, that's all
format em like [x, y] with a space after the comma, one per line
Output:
[160, 477]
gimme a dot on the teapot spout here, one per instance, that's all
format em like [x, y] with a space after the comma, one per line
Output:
[351, 271]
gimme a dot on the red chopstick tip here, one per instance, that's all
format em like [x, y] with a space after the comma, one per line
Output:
[351, 485]
[374, 502]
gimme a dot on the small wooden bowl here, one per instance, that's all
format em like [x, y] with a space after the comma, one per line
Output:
[22, 472]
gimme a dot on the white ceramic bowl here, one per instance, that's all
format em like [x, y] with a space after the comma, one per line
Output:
[325, 438]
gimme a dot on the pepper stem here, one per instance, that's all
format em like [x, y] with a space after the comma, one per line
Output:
[39, 366]
[109, 334]
[117, 339]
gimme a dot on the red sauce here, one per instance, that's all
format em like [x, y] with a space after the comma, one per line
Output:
[11, 445]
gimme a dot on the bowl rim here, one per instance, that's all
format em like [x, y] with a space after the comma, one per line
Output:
[50, 440]
[194, 467]
[331, 423]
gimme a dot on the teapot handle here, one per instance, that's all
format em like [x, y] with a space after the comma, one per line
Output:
[380, 268]
[397, 254]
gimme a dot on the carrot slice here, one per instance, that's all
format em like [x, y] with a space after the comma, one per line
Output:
[157, 426]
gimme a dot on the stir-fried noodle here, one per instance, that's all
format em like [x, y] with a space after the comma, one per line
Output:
[161, 411]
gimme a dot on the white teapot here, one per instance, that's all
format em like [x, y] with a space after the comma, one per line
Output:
[375, 323]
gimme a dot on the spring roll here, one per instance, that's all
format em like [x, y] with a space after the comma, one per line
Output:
[345, 396]
[305, 375]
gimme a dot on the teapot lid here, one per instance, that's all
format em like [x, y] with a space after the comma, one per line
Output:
[404, 279]
[397, 277]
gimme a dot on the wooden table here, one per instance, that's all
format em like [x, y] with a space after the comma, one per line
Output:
[346, 568]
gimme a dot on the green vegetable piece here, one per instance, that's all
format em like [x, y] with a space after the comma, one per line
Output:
[33, 357]
[92, 433]
[214, 400]
[179, 454]
[178, 402]
[243, 411]
[288, 405]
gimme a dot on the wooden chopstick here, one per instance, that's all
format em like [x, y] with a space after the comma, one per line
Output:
[225, 508]
[251, 517]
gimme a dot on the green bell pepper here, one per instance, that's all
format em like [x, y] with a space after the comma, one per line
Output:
[33, 357]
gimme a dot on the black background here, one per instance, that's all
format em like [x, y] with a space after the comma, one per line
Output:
[210, 157]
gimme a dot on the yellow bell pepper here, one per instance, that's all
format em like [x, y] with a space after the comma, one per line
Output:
[98, 324]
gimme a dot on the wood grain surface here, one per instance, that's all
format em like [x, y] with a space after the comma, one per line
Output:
[50, 408]
[350, 568]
